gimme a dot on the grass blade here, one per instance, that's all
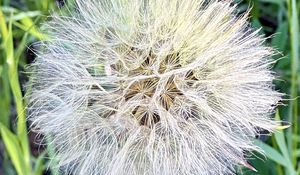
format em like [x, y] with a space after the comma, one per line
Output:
[280, 140]
[14, 150]
[39, 164]
[12, 64]
[271, 153]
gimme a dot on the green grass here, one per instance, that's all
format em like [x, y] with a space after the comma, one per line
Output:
[19, 24]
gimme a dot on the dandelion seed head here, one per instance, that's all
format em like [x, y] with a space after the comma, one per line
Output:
[152, 87]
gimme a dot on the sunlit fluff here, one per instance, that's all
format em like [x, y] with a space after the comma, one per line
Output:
[154, 87]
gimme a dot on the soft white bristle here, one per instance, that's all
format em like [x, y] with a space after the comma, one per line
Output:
[152, 87]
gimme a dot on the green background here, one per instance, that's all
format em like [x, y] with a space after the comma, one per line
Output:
[22, 152]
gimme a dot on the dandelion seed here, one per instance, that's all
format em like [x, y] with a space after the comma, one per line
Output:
[152, 87]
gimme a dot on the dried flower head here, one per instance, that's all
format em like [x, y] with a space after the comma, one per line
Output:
[152, 87]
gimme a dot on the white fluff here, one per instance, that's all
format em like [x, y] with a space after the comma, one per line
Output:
[154, 87]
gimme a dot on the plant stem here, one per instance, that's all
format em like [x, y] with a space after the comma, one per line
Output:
[294, 36]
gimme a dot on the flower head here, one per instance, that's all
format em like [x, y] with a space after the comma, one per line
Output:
[152, 87]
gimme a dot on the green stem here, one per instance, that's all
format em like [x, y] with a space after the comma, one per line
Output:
[294, 36]
[21, 125]
[278, 166]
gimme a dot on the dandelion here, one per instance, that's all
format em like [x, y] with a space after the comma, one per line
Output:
[152, 87]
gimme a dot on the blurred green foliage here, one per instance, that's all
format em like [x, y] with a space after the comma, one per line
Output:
[19, 28]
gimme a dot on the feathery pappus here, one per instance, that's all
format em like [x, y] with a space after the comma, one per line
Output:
[153, 87]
